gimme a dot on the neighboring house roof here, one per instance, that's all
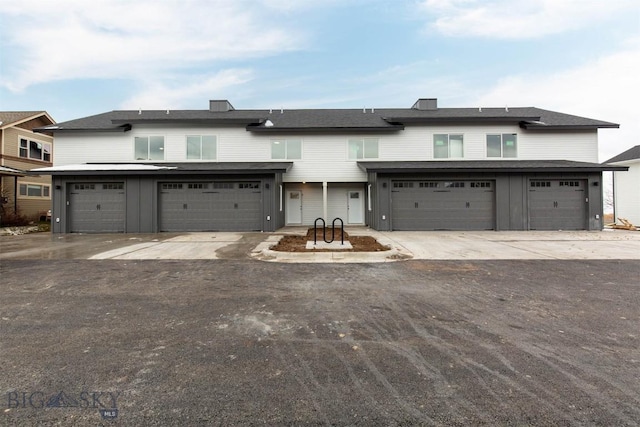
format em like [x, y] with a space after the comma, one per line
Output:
[181, 168]
[632, 153]
[7, 171]
[369, 119]
[485, 166]
[12, 118]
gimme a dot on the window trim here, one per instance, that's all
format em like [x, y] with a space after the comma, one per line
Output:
[186, 148]
[448, 141]
[286, 142]
[27, 149]
[44, 188]
[502, 145]
[363, 148]
[148, 138]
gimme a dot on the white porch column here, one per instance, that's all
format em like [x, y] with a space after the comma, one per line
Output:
[325, 198]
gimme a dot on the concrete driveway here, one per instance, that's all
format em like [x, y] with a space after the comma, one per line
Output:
[420, 245]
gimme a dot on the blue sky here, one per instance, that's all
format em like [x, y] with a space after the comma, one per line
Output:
[75, 58]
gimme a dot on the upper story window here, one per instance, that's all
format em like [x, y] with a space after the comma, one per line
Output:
[502, 145]
[35, 150]
[290, 149]
[149, 147]
[446, 146]
[363, 148]
[201, 147]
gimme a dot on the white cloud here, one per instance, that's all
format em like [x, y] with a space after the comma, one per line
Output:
[519, 19]
[145, 39]
[605, 89]
[187, 92]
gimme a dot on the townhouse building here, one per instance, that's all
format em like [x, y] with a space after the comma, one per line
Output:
[417, 168]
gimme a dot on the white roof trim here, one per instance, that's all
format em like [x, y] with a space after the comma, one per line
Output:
[103, 167]
[11, 171]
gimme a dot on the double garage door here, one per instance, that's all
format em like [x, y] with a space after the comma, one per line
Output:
[443, 205]
[210, 206]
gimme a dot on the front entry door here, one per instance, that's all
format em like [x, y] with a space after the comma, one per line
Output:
[354, 205]
[294, 207]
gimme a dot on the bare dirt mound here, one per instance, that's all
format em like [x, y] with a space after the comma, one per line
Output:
[299, 243]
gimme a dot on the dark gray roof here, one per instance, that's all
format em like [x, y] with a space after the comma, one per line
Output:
[497, 166]
[632, 153]
[380, 120]
[324, 119]
[528, 117]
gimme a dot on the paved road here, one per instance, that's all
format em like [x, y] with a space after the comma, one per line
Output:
[244, 342]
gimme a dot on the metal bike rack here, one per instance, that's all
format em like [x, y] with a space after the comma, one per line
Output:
[324, 230]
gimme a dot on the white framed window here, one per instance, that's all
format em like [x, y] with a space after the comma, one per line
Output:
[35, 150]
[290, 149]
[446, 146]
[502, 145]
[149, 147]
[36, 191]
[363, 148]
[202, 147]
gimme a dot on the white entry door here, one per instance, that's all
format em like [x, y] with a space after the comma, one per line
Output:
[355, 206]
[294, 207]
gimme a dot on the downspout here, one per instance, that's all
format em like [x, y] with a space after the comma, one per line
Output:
[324, 201]
[15, 195]
[613, 194]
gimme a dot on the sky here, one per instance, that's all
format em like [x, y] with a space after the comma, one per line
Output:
[75, 58]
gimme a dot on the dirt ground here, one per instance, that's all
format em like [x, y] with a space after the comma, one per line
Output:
[242, 342]
[298, 243]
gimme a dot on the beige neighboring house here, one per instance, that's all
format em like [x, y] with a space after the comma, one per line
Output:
[20, 151]
[626, 185]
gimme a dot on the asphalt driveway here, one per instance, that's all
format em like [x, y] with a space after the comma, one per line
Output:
[244, 342]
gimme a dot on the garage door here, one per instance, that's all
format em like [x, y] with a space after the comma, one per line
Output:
[210, 206]
[557, 204]
[443, 205]
[97, 207]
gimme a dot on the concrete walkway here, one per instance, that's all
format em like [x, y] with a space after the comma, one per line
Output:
[427, 245]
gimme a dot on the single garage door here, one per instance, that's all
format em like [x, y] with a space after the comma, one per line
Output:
[557, 204]
[443, 205]
[97, 207]
[210, 206]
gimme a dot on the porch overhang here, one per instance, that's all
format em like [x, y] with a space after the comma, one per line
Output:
[189, 168]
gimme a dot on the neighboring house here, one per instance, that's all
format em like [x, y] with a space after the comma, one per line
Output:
[419, 168]
[22, 150]
[626, 186]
